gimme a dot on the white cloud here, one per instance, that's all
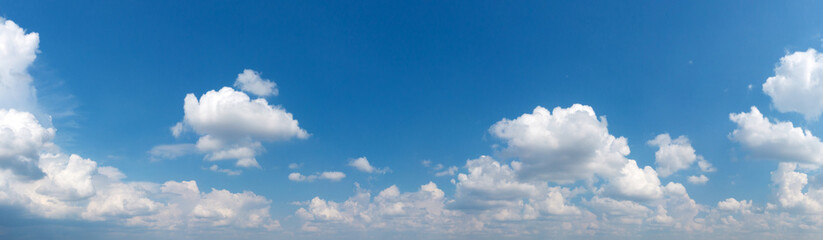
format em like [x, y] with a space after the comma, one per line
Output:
[391, 209]
[363, 165]
[229, 114]
[635, 183]
[177, 129]
[673, 155]
[21, 140]
[731, 204]
[18, 50]
[231, 125]
[294, 165]
[251, 82]
[565, 145]
[789, 190]
[797, 85]
[702, 179]
[704, 165]
[490, 184]
[331, 176]
[779, 141]
[72, 187]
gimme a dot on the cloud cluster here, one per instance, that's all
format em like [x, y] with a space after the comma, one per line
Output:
[490, 194]
[36, 176]
[390, 209]
[563, 145]
[72, 187]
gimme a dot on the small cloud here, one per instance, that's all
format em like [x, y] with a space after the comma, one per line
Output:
[294, 166]
[331, 176]
[363, 165]
[251, 82]
[177, 129]
[702, 179]
[704, 165]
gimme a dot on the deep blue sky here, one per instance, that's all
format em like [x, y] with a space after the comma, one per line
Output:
[403, 82]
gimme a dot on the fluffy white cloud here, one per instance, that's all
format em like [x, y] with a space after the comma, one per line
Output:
[673, 154]
[229, 114]
[797, 85]
[731, 204]
[635, 183]
[331, 176]
[18, 50]
[231, 125]
[789, 190]
[363, 165]
[250, 81]
[779, 141]
[563, 145]
[490, 184]
[21, 140]
[702, 179]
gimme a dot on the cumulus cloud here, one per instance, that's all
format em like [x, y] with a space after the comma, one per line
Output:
[79, 189]
[731, 204]
[21, 139]
[490, 184]
[780, 141]
[563, 145]
[797, 85]
[363, 165]
[702, 179]
[635, 183]
[331, 176]
[789, 190]
[18, 50]
[231, 125]
[251, 82]
[674, 154]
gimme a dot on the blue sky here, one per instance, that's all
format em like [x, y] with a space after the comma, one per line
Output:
[408, 86]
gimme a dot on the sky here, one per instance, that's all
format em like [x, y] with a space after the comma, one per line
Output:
[411, 119]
